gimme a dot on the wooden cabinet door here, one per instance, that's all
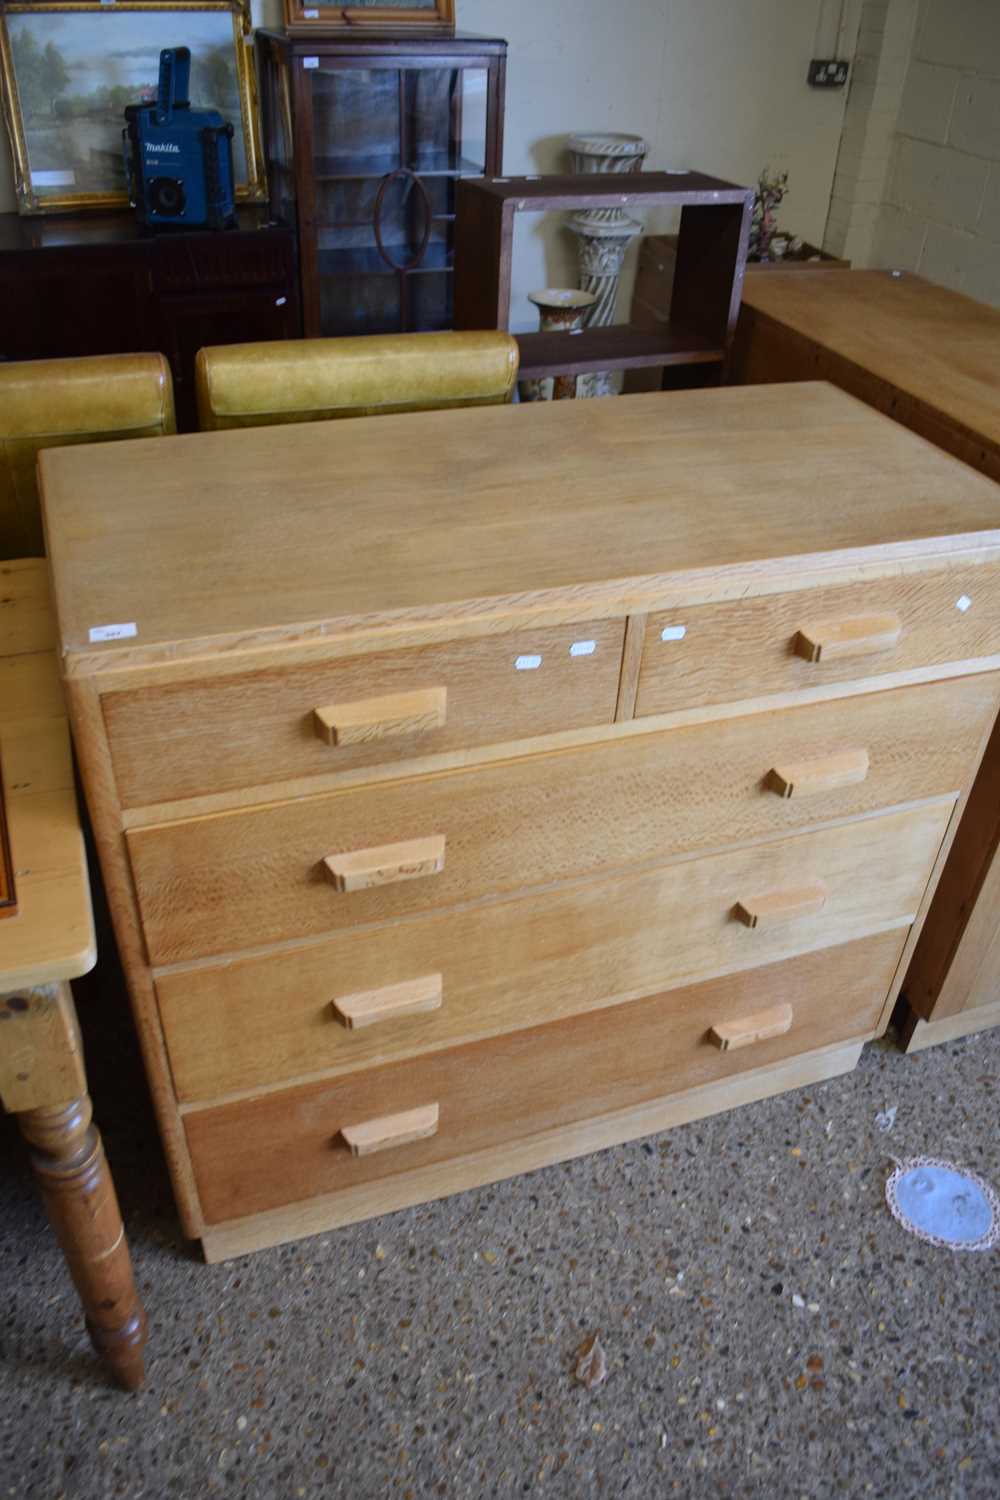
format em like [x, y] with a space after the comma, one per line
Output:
[60, 303]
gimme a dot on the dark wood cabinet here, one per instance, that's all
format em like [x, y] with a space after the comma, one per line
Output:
[365, 139]
[96, 284]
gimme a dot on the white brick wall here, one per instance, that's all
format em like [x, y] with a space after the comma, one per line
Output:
[878, 73]
[940, 213]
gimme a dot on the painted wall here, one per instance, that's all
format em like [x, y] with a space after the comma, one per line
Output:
[713, 84]
[940, 213]
[719, 85]
[878, 73]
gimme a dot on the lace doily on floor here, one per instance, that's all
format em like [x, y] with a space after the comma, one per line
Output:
[944, 1205]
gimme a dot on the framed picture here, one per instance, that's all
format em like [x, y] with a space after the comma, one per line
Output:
[385, 13]
[68, 68]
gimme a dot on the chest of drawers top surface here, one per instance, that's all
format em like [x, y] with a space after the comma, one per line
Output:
[941, 348]
[215, 542]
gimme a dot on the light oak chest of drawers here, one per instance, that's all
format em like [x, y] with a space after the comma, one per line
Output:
[475, 789]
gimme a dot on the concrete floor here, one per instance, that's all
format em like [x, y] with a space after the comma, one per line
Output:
[770, 1330]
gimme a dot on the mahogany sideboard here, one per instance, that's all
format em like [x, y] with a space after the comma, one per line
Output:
[929, 358]
[474, 789]
[97, 284]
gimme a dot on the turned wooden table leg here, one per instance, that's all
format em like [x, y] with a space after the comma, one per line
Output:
[43, 1083]
[76, 1187]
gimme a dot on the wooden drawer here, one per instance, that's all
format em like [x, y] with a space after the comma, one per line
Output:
[497, 967]
[717, 653]
[243, 879]
[285, 1146]
[222, 733]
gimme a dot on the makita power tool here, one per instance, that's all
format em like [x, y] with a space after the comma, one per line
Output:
[178, 160]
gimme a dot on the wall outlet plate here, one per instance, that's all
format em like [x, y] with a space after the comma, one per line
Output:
[828, 72]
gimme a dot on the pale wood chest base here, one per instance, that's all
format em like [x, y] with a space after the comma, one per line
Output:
[317, 1215]
[917, 1034]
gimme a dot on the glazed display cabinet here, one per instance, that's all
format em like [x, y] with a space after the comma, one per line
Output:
[365, 138]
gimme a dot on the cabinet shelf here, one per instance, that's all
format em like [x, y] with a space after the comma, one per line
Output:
[620, 347]
[364, 165]
[368, 262]
[715, 223]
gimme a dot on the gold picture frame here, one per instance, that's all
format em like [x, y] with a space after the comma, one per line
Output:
[87, 133]
[438, 15]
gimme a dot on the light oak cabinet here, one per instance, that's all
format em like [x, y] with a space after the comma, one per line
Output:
[555, 775]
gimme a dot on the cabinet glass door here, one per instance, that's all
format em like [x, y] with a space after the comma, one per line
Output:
[389, 144]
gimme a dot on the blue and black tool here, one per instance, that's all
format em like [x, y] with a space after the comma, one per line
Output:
[178, 160]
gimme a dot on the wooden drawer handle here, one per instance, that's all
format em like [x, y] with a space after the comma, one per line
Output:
[728, 1035]
[804, 778]
[361, 869]
[860, 635]
[381, 718]
[413, 997]
[391, 1130]
[781, 906]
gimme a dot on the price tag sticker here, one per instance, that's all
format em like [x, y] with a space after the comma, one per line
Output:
[310, 62]
[113, 632]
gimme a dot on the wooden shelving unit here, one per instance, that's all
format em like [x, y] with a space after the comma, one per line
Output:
[708, 282]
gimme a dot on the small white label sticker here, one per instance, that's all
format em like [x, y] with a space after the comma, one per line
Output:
[280, 301]
[673, 633]
[528, 663]
[310, 62]
[113, 632]
[54, 179]
[311, 15]
[964, 603]
[583, 648]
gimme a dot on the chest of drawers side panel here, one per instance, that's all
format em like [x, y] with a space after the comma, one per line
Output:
[97, 775]
[957, 956]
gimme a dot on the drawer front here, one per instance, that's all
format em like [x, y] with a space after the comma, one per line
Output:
[217, 735]
[441, 980]
[717, 653]
[269, 874]
[283, 1147]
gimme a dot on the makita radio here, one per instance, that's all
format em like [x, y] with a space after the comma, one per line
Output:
[178, 160]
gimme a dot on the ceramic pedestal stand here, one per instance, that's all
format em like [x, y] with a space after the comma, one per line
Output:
[560, 310]
[604, 234]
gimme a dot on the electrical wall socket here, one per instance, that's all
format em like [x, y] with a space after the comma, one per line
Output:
[828, 72]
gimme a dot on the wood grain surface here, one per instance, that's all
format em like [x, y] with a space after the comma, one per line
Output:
[415, 514]
[326, 1211]
[208, 735]
[253, 1155]
[252, 1022]
[760, 634]
[248, 878]
[940, 348]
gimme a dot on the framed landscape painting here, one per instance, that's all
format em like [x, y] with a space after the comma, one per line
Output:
[398, 14]
[70, 67]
